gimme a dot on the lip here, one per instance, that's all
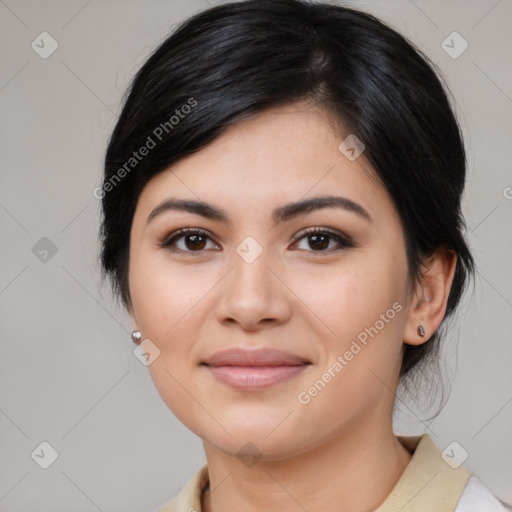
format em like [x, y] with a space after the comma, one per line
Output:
[254, 369]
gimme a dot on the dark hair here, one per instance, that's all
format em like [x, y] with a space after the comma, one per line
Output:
[230, 62]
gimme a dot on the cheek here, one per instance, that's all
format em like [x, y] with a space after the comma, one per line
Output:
[167, 303]
[361, 303]
[348, 299]
[164, 294]
[360, 361]
[376, 309]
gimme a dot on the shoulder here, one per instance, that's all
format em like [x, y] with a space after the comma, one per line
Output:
[476, 497]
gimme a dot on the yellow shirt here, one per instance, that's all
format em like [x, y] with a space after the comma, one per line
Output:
[428, 484]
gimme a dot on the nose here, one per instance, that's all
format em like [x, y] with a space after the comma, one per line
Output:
[252, 295]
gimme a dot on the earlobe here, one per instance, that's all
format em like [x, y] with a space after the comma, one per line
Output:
[428, 308]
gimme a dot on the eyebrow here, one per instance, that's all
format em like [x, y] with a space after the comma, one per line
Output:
[280, 214]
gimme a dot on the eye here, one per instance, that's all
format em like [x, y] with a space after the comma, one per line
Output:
[192, 240]
[320, 239]
[188, 240]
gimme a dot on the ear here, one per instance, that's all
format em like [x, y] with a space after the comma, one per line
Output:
[428, 306]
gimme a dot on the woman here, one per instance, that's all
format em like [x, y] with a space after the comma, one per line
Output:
[282, 220]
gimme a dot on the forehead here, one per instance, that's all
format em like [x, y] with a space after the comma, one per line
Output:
[278, 156]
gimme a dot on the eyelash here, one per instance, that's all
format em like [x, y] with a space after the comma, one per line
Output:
[168, 242]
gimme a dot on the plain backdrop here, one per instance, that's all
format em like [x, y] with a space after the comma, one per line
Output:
[68, 375]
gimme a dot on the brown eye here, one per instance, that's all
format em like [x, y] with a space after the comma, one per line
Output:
[187, 240]
[194, 242]
[319, 240]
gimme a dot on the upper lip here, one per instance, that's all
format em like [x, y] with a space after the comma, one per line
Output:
[257, 357]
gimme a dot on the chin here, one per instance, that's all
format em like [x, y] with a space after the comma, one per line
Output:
[251, 447]
[267, 437]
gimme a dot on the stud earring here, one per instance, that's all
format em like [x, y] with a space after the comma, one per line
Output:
[421, 331]
[136, 336]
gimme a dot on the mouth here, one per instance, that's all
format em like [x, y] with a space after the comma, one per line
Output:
[255, 369]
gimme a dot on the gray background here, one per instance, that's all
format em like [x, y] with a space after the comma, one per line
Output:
[68, 375]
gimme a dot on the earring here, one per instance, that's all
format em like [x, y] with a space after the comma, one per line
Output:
[421, 331]
[136, 336]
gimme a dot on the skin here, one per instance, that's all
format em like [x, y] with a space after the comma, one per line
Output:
[293, 297]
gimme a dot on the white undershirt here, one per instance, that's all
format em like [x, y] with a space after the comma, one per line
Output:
[478, 498]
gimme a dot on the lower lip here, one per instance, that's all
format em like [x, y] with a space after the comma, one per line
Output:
[255, 377]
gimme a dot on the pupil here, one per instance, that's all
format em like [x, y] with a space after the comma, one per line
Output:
[196, 241]
[322, 245]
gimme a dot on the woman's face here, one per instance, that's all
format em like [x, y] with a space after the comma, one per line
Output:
[253, 279]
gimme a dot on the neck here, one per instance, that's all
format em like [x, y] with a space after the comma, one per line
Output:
[354, 471]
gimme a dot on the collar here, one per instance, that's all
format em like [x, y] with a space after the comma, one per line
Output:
[427, 483]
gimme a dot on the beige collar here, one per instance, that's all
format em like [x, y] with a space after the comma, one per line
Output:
[427, 484]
